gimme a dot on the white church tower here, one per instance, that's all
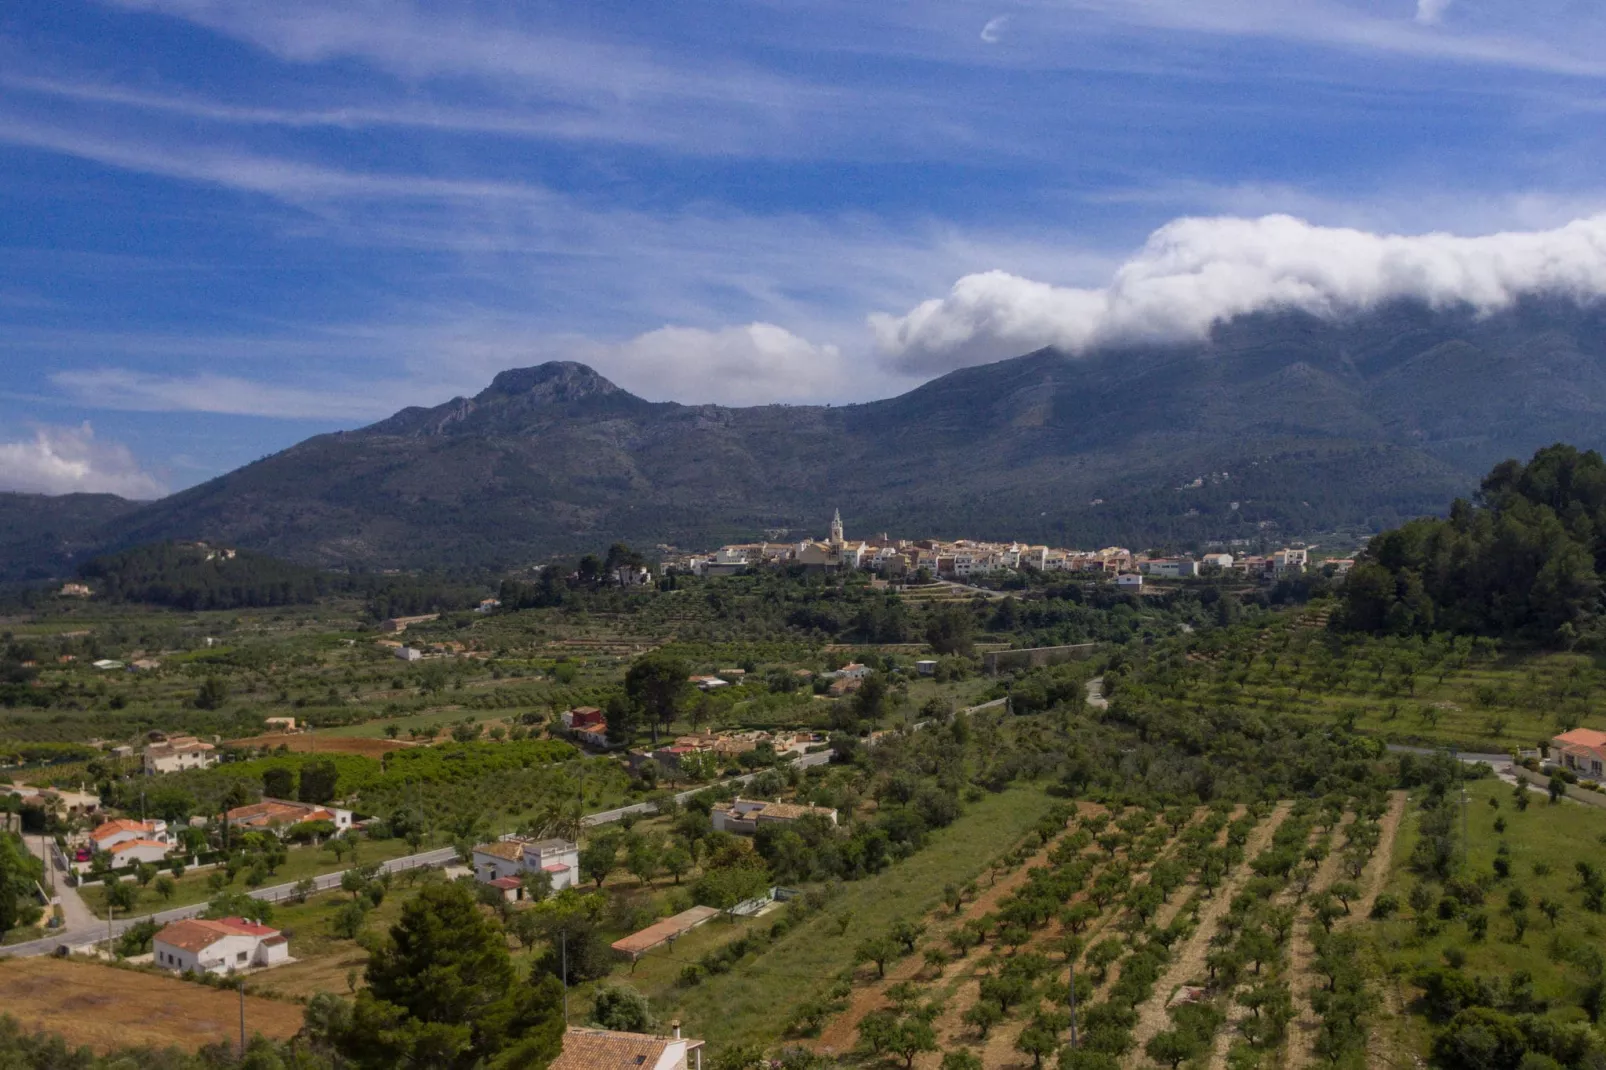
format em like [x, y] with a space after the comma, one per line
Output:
[836, 528]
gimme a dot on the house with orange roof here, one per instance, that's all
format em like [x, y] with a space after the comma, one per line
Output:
[109, 834]
[220, 946]
[744, 816]
[134, 852]
[1583, 750]
[276, 815]
[607, 1049]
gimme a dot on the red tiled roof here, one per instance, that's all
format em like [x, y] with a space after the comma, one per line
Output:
[1583, 737]
[113, 827]
[128, 845]
[198, 934]
[505, 883]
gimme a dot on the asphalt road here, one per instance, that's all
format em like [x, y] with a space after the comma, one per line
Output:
[75, 937]
[78, 935]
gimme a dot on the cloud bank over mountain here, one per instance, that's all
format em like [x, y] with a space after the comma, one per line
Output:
[1196, 272]
[67, 460]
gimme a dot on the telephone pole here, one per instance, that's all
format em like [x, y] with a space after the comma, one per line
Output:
[242, 1019]
[563, 942]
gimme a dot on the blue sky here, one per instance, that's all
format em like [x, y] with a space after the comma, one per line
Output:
[225, 226]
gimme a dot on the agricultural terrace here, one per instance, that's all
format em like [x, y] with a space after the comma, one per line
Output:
[1461, 692]
[1185, 932]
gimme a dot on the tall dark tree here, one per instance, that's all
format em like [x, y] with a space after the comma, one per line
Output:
[318, 780]
[657, 684]
[443, 992]
[279, 782]
[950, 631]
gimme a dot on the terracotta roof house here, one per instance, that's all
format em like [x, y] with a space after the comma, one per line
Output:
[178, 753]
[223, 945]
[109, 834]
[604, 1049]
[746, 815]
[276, 814]
[1583, 750]
[133, 852]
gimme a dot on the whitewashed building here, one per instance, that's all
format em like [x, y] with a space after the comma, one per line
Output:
[559, 859]
[221, 946]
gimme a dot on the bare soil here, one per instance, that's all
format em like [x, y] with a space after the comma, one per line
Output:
[311, 742]
[104, 1007]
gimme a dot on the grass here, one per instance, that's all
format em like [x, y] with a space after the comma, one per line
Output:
[325, 962]
[104, 1008]
[751, 1002]
[1549, 835]
[302, 862]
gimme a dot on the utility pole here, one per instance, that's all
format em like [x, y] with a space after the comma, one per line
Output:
[242, 1019]
[563, 942]
[1074, 1042]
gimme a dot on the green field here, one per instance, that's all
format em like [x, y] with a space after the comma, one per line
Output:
[1544, 838]
[751, 1003]
[1474, 696]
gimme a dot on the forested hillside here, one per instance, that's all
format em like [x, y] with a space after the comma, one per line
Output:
[1522, 559]
[196, 576]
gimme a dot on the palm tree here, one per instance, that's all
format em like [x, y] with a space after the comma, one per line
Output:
[560, 819]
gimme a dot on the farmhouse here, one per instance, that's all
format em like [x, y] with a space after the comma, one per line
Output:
[604, 1049]
[134, 852]
[278, 814]
[120, 830]
[198, 945]
[746, 815]
[509, 858]
[177, 754]
[1583, 750]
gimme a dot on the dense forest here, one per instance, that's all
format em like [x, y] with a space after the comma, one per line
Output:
[1521, 560]
[195, 576]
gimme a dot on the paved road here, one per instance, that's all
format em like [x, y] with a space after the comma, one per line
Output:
[1538, 783]
[73, 909]
[76, 935]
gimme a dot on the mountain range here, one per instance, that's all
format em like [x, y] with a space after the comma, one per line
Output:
[1279, 424]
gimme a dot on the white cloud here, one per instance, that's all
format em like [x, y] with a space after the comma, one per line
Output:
[1193, 273]
[757, 364]
[1429, 12]
[65, 460]
[994, 29]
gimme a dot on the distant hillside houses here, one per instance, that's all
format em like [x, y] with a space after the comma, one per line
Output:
[962, 559]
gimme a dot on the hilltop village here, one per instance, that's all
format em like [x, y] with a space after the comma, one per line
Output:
[961, 559]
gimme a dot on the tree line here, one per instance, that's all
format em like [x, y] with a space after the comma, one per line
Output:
[1522, 559]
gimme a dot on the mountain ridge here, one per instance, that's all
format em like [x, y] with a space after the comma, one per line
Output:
[1290, 422]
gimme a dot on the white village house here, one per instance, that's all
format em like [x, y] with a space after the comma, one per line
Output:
[500, 860]
[221, 946]
[177, 754]
[109, 834]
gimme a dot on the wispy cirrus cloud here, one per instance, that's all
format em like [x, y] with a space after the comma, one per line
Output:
[67, 460]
